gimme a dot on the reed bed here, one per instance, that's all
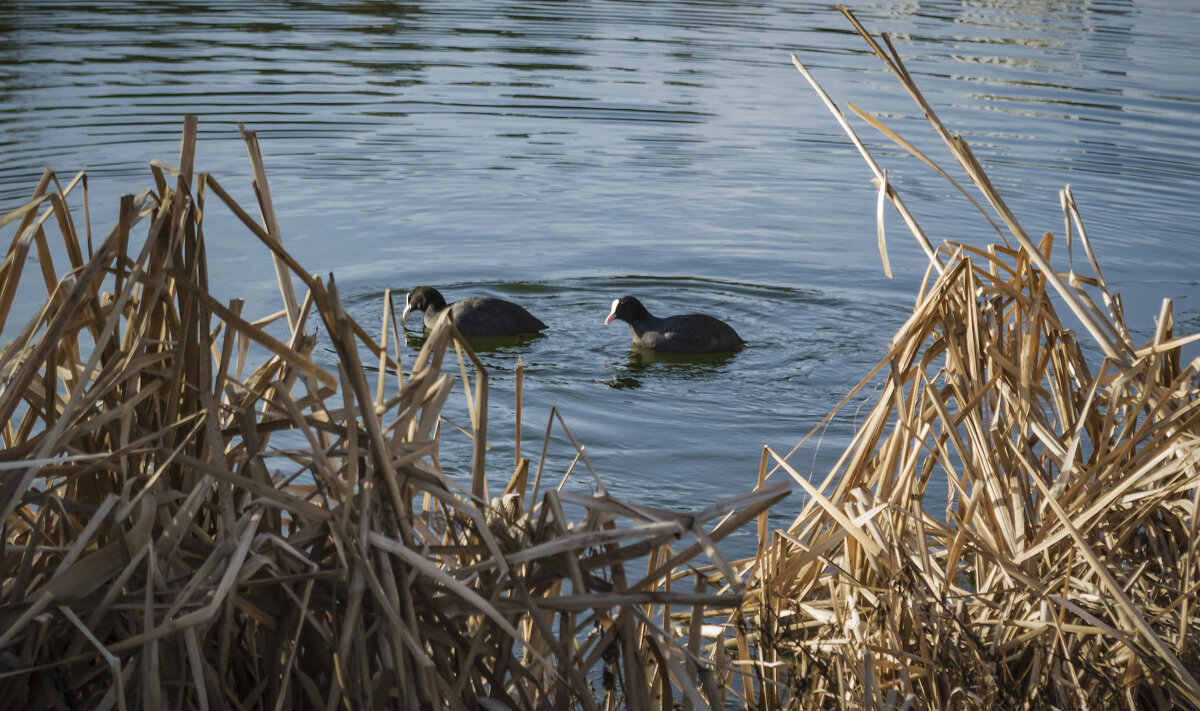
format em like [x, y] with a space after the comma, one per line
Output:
[1060, 570]
[200, 514]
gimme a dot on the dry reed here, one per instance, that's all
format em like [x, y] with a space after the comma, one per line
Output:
[199, 515]
[1061, 569]
[163, 549]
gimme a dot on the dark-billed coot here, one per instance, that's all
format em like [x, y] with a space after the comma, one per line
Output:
[688, 333]
[476, 316]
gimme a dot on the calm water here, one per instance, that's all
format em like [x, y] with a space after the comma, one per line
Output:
[565, 153]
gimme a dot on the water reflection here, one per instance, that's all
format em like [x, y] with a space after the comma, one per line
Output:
[497, 345]
[643, 363]
[548, 146]
[643, 359]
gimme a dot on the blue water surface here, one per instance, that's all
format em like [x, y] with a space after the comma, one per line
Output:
[562, 154]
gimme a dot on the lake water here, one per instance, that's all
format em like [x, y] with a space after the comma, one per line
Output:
[562, 154]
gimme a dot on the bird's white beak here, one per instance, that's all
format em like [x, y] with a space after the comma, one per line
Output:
[613, 313]
[407, 308]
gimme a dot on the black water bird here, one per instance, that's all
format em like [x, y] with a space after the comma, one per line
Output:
[687, 333]
[476, 316]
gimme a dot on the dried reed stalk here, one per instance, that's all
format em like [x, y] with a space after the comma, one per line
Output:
[200, 515]
[1062, 569]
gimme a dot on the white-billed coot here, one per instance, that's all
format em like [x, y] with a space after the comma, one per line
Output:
[687, 333]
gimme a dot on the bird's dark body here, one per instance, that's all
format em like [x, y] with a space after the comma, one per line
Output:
[485, 316]
[686, 333]
[476, 316]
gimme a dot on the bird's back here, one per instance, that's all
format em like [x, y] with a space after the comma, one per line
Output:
[687, 333]
[485, 316]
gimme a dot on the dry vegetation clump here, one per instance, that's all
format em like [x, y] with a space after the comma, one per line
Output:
[1060, 569]
[198, 514]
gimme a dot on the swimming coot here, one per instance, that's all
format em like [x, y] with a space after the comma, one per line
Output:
[688, 333]
[476, 316]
